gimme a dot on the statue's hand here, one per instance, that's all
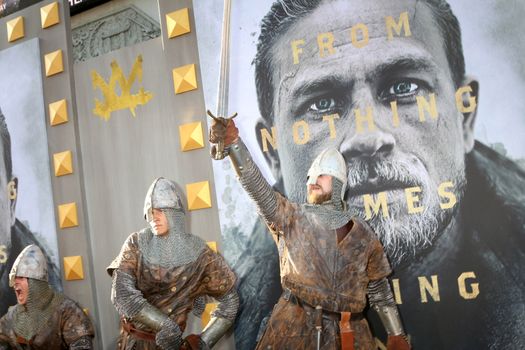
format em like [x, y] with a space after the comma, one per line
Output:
[224, 130]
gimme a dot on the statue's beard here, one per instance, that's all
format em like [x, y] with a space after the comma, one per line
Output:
[402, 234]
[319, 198]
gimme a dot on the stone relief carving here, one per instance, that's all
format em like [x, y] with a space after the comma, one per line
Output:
[123, 28]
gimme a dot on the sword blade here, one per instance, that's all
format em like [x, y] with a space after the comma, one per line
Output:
[224, 74]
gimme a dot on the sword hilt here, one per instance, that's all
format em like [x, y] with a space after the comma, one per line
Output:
[219, 149]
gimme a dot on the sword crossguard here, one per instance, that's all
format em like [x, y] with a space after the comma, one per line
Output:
[223, 121]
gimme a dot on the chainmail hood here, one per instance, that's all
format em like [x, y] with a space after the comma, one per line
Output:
[33, 316]
[176, 248]
[332, 213]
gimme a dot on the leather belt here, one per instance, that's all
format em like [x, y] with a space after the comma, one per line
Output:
[329, 315]
[24, 341]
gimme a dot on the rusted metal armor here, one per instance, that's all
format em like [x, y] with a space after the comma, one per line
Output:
[319, 271]
[47, 319]
[327, 260]
[154, 291]
[68, 327]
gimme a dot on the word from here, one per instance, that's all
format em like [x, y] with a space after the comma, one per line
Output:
[358, 35]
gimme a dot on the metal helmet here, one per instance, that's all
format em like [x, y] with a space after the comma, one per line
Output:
[30, 263]
[329, 162]
[162, 194]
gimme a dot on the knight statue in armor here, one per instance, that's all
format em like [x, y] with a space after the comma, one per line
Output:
[43, 318]
[330, 261]
[162, 273]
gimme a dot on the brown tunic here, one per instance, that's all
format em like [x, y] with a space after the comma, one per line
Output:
[319, 270]
[173, 290]
[67, 325]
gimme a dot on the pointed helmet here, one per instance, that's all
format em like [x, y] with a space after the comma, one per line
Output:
[162, 194]
[30, 263]
[329, 162]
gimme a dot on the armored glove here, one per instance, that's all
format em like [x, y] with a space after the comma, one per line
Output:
[169, 335]
[397, 342]
[194, 342]
[224, 130]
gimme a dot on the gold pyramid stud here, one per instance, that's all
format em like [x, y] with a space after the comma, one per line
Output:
[178, 23]
[49, 15]
[53, 63]
[212, 245]
[206, 315]
[15, 29]
[198, 194]
[63, 163]
[86, 311]
[58, 112]
[73, 269]
[191, 136]
[67, 215]
[184, 78]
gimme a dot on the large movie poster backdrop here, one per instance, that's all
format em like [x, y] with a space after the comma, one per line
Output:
[435, 156]
[8, 7]
[26, 208]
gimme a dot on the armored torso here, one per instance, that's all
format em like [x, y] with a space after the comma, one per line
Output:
[66, 325]
[321, 271]
[173, 288]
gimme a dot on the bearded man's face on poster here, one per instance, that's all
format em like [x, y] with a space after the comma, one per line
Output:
[387, 102]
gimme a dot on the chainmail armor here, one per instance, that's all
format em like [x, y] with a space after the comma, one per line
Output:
[382, 300]
[222, 318]
[176, 248]
[253, 181]
[169, 336]
[83, 343]
[199, 305]
[42, 301]
[228, 306]
[125, 297]
[332, 213]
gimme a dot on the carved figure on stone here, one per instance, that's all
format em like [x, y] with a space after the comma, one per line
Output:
[127, 27]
